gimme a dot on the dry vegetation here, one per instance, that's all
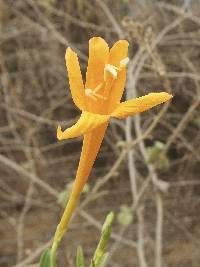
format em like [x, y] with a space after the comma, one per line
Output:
[162, 191]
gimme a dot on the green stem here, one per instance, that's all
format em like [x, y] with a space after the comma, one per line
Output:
[64, 222]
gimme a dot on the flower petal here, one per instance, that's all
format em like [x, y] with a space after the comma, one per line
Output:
[140, 104]
[117, 53]
[87, 122]
[75, 78]
[98, 57]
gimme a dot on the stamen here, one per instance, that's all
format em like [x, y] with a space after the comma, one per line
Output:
[98, 87]
[92, 93]
[99, 96]
[124, 62]
[111, 69]
[89, 93]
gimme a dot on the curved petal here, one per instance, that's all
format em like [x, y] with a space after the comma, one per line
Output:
[117, 53]
[87, 122]
[75, 78]
[98, 57]
[140, 104]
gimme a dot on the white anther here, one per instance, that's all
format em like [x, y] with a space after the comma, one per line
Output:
[124, 62]
[88, 92]
[111, 69]
[92, 94]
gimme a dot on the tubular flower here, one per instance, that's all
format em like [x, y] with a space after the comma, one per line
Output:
[99, 100]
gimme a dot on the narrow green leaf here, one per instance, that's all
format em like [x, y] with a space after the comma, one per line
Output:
[45, 260]
[100, 255]
[80, 262]
[92, 264]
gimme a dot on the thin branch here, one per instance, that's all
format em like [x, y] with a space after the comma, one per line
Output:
[16, 167]
[159, 230]
[112, 19]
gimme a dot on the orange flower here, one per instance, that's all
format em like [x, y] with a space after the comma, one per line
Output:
[99, 100]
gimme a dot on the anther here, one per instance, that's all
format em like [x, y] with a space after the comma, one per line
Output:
[92, 94]
[89, 93]
[111, 69]
[124, 62]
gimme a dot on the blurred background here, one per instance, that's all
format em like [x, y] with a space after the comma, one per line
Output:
[148, 168]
